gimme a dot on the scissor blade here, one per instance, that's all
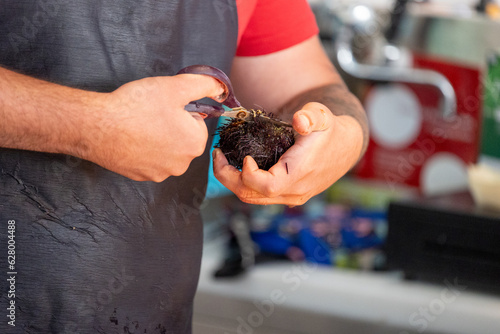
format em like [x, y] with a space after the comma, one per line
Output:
[250, 115]
[209, 111]
[239, 113]
[205, 110]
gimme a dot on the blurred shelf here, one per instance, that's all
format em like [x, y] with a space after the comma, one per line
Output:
[304, 298]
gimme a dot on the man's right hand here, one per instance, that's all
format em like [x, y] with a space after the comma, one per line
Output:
[145, 134]
[140, 130]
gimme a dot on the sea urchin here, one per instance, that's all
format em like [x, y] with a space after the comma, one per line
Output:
[263, 140]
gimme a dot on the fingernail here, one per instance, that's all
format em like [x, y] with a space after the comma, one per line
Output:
[214, 154]
[305, 120]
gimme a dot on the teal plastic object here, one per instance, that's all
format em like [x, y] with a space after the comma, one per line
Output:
[215, 188]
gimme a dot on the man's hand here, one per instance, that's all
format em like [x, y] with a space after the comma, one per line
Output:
[140, 130]
[326, 147]
[144, 132]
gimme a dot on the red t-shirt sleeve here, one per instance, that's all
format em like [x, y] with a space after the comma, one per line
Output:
[274, 25]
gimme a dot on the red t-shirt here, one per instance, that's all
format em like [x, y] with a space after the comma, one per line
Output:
[267, 26]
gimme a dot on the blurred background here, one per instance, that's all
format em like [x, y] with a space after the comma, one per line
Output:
[409, 240]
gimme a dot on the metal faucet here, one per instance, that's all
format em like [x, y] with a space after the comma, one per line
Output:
[349, 64]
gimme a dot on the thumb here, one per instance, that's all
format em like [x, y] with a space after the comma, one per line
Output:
[191, 87]
[312, 117]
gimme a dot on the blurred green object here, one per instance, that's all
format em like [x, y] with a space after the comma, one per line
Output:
[490, 141]
[368, 194]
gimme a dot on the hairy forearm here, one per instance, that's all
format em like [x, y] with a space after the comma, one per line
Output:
[41, 116]
[338, 99]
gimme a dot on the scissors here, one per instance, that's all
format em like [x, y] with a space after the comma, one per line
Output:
[234, 107]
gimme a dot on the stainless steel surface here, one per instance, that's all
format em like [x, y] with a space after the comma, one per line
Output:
[452, 33]
[389, 65]
[348, 63]
[453, 30]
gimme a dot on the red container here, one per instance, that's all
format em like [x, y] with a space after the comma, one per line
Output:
[411, 143]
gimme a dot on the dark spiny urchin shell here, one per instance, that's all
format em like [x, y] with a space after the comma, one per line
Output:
[262, 140]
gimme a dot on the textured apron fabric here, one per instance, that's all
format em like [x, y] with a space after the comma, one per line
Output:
[95, 251]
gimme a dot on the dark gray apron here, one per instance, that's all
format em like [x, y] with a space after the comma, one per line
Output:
[95, 251]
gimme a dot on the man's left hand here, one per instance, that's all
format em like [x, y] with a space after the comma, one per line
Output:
[326, 147]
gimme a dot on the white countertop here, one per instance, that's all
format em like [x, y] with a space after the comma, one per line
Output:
[285, 297]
